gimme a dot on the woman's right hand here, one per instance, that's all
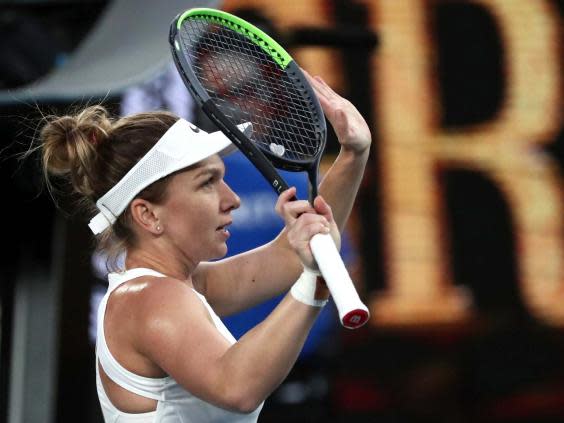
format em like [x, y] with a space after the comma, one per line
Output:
[304, 221]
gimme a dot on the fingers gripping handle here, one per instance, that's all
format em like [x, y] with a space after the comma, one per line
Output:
[352, 312]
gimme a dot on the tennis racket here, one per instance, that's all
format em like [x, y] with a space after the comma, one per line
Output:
[239, 74]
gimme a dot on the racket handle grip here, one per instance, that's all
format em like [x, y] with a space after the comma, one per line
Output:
[352, 311]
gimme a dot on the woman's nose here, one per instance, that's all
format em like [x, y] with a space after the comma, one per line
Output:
[231, 201]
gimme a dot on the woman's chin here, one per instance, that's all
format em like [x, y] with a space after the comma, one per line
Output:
[220, 253]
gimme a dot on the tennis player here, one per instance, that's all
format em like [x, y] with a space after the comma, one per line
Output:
[154, 184]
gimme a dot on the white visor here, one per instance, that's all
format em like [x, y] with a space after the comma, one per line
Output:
[181, 146]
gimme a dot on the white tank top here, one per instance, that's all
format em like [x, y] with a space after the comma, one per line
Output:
[174, 403]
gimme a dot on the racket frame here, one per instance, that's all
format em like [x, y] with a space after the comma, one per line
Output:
[265, 161]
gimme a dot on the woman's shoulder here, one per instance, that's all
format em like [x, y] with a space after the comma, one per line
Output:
[155, 296]
[149, 310]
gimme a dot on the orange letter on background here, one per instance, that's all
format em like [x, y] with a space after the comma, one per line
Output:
[420, 286]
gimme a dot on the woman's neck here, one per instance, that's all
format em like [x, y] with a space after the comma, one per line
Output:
[165, 264]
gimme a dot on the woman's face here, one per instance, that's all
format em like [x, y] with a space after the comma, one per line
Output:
[197, 211]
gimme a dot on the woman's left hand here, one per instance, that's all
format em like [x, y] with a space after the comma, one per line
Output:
[349, 125]
[304, 221]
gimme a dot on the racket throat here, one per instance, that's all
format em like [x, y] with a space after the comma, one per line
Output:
[312, 174]
[246, 146]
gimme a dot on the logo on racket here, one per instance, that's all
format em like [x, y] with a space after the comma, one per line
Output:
[355, 319]
[277, 149]
[277, 186]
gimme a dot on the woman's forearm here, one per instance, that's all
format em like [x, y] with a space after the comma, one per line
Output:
[340, 185]
[262, 358]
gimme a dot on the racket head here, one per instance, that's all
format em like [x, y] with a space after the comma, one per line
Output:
[248, 77]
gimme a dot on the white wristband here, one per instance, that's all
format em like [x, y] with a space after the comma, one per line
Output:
[304, 288]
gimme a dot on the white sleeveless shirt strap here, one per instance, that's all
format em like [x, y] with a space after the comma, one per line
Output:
[153, 388]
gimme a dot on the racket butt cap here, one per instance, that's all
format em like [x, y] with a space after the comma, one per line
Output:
[355, 318]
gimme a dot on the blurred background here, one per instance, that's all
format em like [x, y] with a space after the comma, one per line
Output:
[456, 240]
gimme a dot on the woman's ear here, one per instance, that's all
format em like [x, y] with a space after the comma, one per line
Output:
[144, 213]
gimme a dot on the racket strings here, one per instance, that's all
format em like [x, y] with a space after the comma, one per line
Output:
[247, 85]
[269, 102]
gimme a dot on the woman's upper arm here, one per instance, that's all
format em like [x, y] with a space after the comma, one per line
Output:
[179, 336]
[239, 282]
